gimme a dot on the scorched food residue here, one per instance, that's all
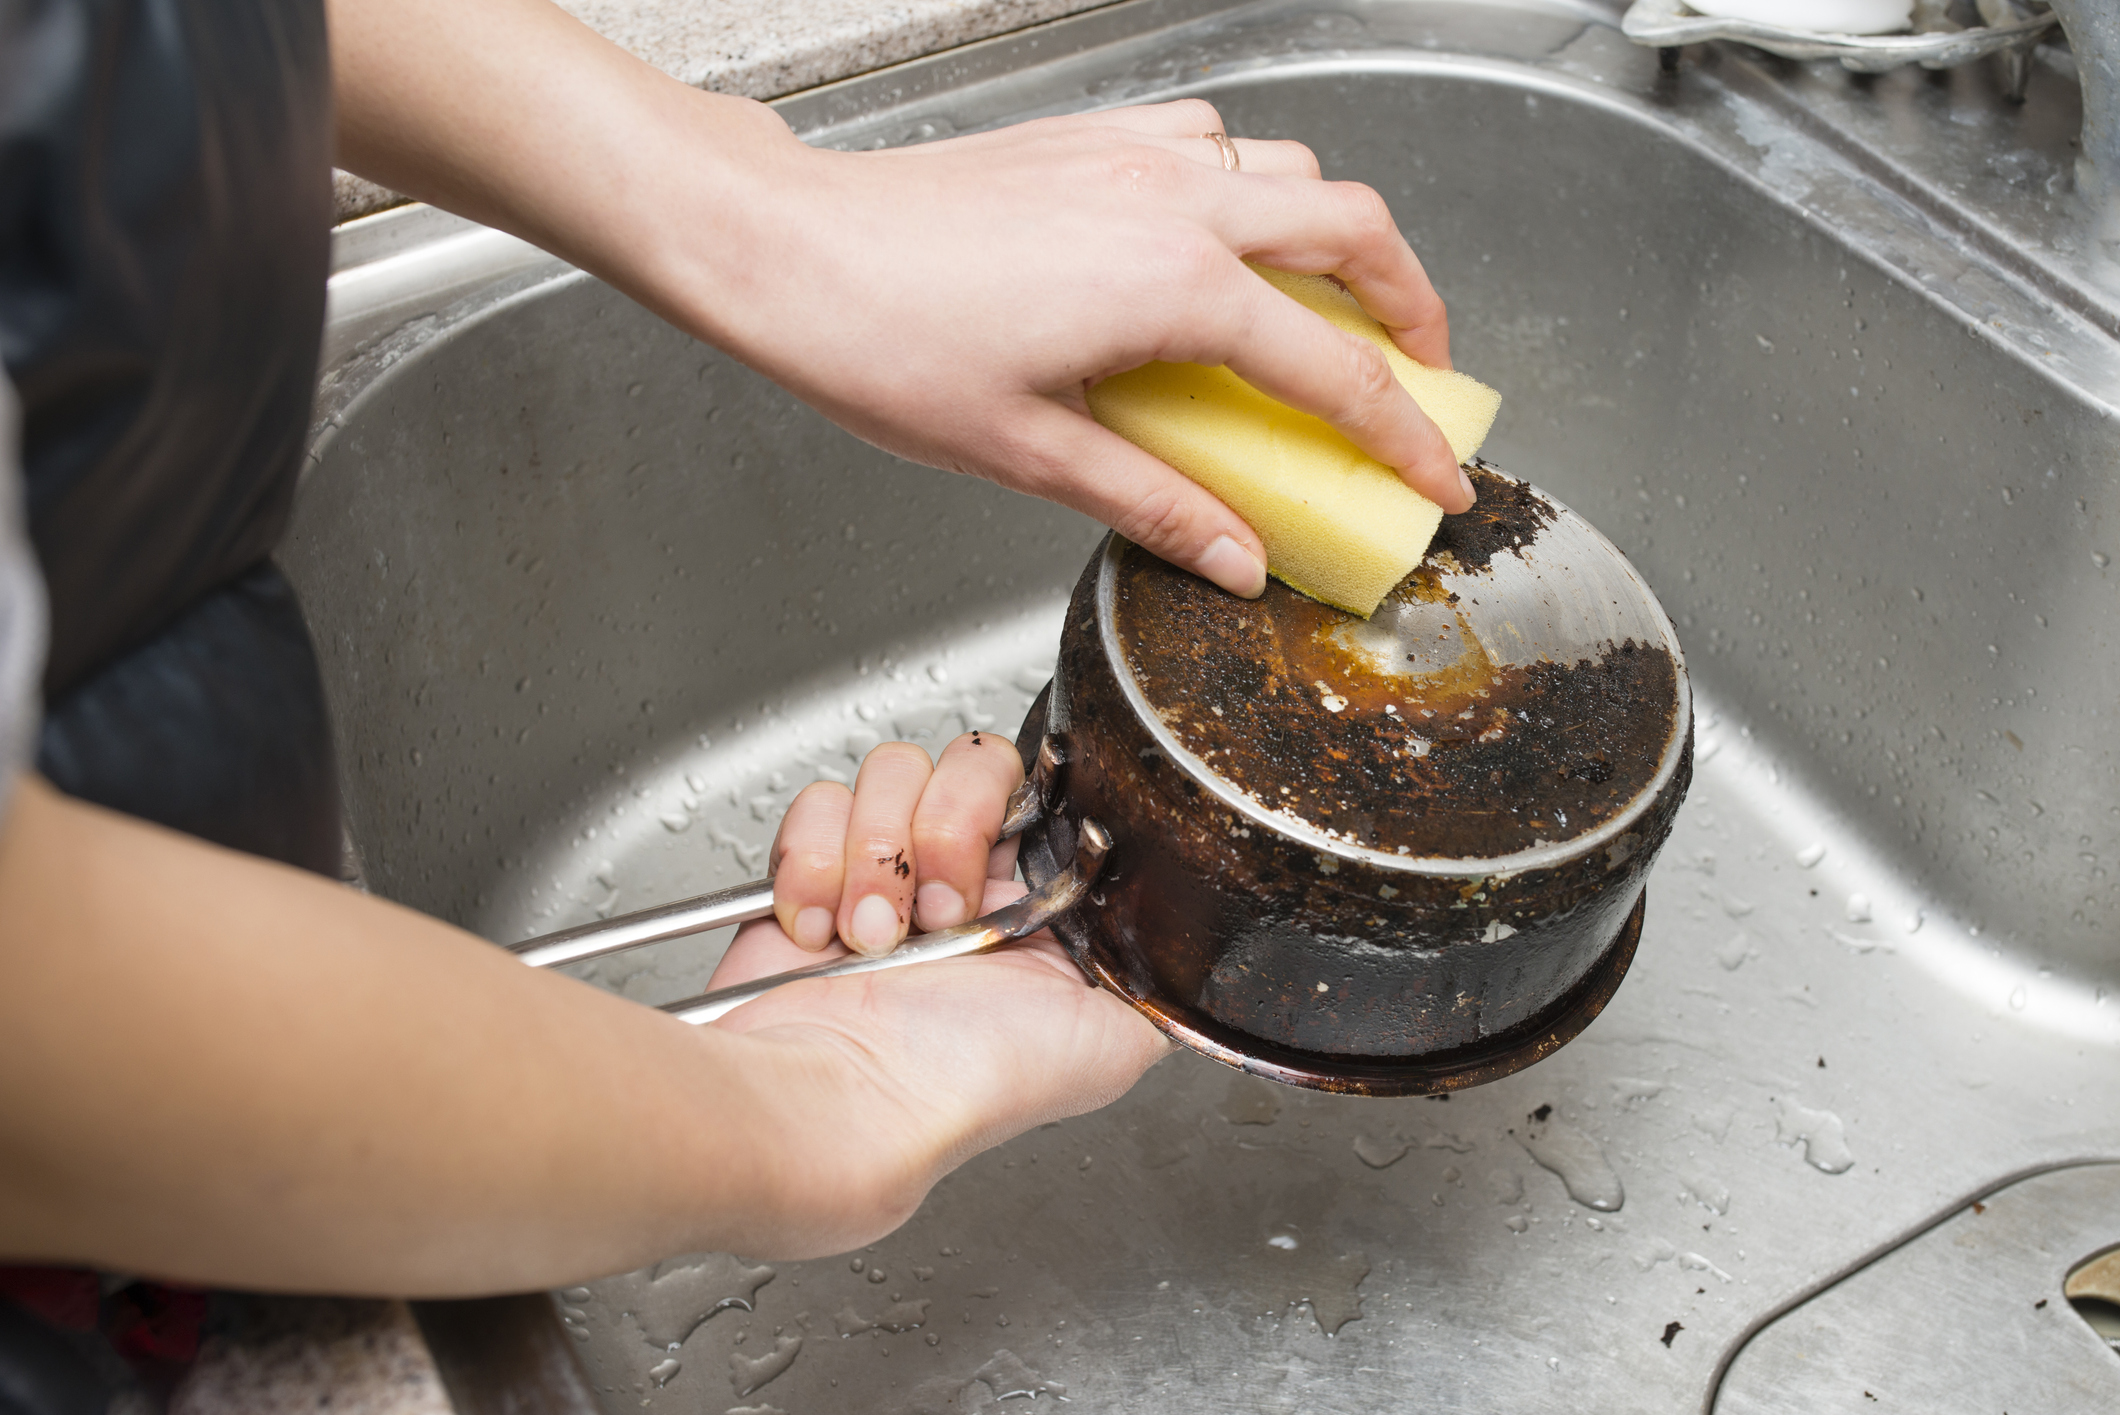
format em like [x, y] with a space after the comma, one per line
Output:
[1462, 760]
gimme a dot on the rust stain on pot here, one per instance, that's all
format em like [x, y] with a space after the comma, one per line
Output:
[1402, 733]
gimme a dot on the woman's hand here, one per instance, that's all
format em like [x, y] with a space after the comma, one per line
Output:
[921, 1067]
[895, 1078]
[915, 842]
[949, 302]
[952, 302]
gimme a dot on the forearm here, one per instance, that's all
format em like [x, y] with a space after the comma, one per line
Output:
[223, 1070]
[951, 302]
[517, 115]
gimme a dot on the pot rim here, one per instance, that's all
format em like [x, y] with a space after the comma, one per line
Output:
[1297, 830]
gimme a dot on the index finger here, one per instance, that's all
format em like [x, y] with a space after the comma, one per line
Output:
[1344, 229]
[1297, 356]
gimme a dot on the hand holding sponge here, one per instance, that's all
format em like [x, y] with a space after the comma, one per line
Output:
[1338, 524]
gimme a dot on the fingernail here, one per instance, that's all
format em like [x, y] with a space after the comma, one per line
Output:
[876, 927]
[1465, 485]
[813, 927]
[940, 906]
[1233, 568]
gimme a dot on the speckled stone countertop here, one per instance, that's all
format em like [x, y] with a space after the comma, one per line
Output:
[767, 48]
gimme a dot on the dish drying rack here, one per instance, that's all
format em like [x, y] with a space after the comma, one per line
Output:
[2012, 29]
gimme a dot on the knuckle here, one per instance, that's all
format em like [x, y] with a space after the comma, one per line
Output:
[1158, 520]
[1198, 111]
[949, 839]
[1140, 168]
[882, 854]
[894, 761]
[1293, 156]
[1371, 386]
[989, 753]
[1187, 262]
[1367, 211]
[816, 795]
[814, 863]
[1428, 307]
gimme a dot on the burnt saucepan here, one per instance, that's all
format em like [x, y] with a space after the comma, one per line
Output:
[1387, 856]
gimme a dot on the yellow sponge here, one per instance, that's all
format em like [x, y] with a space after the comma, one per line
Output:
[1338, 524]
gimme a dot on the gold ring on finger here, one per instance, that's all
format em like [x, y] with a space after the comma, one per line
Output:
[1228, 148]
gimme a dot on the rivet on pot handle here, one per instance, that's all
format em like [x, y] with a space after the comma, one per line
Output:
[742, 903]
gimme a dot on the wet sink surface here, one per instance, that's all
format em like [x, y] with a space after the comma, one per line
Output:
[595, 601]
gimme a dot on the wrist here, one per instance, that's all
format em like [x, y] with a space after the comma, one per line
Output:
[699, 228]
[830, 1157]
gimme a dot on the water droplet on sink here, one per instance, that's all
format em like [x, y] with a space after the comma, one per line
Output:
[1006, 1377]
[663, 1371]
[1319, 1278]
[1696, 1263]
[1578, 1160]
[2018, 998]
[1820, 1132]
[748, 1374]
[1858, 908]
[681, 1293]
[1631, 1091]
[1286, 1242]
[1810, 855]
[1380, 1151]
[1706, 1192]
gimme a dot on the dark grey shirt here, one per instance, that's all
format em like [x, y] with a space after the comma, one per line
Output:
[21, 612]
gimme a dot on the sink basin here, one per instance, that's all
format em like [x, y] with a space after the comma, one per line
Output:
[594, 601]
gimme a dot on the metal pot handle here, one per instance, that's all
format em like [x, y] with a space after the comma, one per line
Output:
[1010, 922]
[745, 902]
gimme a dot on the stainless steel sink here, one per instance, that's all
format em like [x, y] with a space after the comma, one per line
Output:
[594, 601]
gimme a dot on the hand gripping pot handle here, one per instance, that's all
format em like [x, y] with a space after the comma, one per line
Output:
[744, 902]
